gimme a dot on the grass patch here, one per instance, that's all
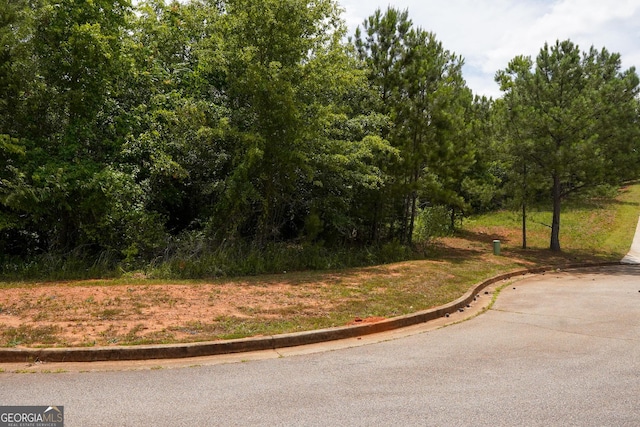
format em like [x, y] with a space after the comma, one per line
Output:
[109, 314]
[591, 229]
[27, 335]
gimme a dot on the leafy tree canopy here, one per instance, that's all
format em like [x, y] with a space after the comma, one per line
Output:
[572, 116]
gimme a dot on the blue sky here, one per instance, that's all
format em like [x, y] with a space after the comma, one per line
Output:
[489, 33]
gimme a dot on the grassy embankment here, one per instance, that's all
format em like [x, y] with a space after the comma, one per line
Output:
[591, 231]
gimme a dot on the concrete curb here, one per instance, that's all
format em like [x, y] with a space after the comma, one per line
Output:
[177, 351]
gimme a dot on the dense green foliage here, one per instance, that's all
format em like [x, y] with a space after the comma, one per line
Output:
[571, 121]
[179, 134]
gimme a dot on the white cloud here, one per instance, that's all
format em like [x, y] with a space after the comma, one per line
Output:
[489, 33]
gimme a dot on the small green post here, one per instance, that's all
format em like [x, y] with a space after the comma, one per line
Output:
[496, 247]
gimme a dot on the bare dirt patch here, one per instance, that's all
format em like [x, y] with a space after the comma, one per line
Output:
[136, 311]
[87, 315]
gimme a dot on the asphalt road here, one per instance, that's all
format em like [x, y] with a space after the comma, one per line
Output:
[560, 349]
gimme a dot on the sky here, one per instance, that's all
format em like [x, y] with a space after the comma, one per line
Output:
[489, 33]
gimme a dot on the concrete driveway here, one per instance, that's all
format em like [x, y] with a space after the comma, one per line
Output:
[559, 349]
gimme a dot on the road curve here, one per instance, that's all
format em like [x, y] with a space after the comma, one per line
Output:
[556, 349]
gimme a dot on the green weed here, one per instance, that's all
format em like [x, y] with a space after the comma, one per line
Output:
[28, 335]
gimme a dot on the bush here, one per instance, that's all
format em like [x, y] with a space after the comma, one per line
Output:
[80, 263]
[432, 221]
[195, 257]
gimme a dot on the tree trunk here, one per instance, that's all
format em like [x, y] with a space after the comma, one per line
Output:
[524, 204]
[406, 214]
[555, 225]
[524, 225]
[376, 215]
[414, 204]
[412, 220]
[452, 218]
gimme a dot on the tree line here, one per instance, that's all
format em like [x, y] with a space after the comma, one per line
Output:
[134, 129]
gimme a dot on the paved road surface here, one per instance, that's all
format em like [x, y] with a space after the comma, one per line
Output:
[560, 349]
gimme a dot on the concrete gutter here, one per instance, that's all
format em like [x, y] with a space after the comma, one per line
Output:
[177, 351]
